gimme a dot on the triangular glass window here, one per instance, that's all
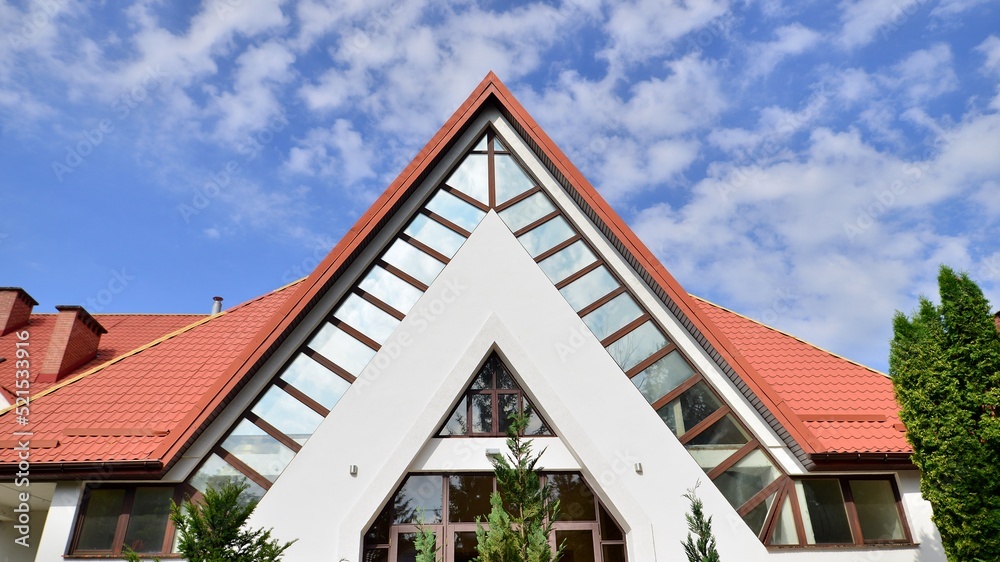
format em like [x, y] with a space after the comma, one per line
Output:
[485, 408]
[490, 174]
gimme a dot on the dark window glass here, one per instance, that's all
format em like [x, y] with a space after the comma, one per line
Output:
[378, 533]
[101, 519]
[579, 545]
[469, 497]
[376, 555]
[576, 501]
[717, 443]
[457, 424]
[508, 408]
[610, 531]
[465, 546]
[482, 413]
[823, 512]
[756, 517]
[147, 522]
[747, 477]
[877, 511]
[536, 426]
[613, 552]
[689, 409]
[419, 499]
[407, 549]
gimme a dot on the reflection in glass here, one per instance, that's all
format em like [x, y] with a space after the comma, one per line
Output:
[877, 512]
[657, 380]
[337, 346]
[613, 552]
[507, 404]
[481, 146]
[412, 261]
[536, 426]
[419, 500]
[482, 413]
[287, 414]
[456, 423]
[579, 545]
[469, 497]
[689, 409]
[636, 346]
[390, 289]
[746, 478]
[576, 501]
[101, 519]
[472, 178]
[217, 473]
[316, 381]
[258, 450]
[407, 549]
[465, 546]
[366, 318]
[610, 531]
[824, 514]
[378, 533]
[435, 235]
[455, 210]
[612, 315]
[717, 443]
[784, 529]
[756, 517]
[589, 288]
[511, 180]
[526, 212]
[546, 236]
[147, 521]
[567, 261]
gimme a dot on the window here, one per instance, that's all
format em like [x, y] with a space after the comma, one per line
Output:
[136, 516]
[485, 408]
[848, 510]
[449, 505]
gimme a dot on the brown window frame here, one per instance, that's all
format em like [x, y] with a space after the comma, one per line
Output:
[791, 494]
[121, 528]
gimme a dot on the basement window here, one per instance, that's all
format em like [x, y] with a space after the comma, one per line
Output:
[111, 517]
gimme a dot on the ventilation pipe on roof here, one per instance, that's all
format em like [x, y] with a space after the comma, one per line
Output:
[15, 308]
[216, 305]
[74, 342]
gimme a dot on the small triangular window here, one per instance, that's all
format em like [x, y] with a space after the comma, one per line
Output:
[485, 407]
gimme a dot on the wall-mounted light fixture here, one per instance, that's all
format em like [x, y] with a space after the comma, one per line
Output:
[638, 468]
[492, 452]
[353, 469]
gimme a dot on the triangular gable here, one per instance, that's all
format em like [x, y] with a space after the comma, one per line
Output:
[386, 424]
[492, 93]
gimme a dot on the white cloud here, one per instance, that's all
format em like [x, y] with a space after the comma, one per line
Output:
[990, 48]
[948, 8]
[690, 97]
[793, 39]
[261, 70]
[338, 152]
[644, 29]
[863, 21]
[925, 74]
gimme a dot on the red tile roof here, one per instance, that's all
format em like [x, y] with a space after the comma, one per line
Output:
[123, 410]
[125, 333]
[847, 406]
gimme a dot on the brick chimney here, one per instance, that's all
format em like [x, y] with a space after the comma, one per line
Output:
[74, 342]
[15, 308]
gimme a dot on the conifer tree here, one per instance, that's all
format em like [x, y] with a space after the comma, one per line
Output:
[212, 530]
[522, 509]
[701, 549]
[945, 367]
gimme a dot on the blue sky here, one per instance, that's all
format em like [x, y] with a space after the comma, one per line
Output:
[808, 164]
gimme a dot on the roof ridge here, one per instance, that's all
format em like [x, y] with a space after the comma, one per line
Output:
[784, 333]
[140, 349]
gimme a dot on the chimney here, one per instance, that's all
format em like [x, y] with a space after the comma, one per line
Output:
[74, 342]
[15, 308]
[216, 305]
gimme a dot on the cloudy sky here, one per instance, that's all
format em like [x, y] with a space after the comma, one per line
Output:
[808, 164]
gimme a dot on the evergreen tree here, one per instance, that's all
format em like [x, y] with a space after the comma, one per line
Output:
[212, 529]
[945, 368]
[522, 509]
[702, 549]
[425, 544]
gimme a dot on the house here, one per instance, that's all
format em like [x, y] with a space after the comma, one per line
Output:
[489, 278]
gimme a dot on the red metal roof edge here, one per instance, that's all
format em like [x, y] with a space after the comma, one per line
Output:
[771, 399]
[272, 333]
